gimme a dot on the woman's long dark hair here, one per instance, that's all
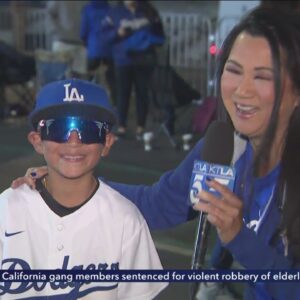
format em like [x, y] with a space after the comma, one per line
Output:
[282, 31]
[151, 13]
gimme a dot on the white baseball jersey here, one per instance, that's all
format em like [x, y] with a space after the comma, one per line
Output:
[107, 232]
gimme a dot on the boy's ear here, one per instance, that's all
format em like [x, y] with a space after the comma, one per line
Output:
[109, 141]
[34, 139]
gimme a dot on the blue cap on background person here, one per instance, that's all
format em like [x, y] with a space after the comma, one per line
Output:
[72, 97]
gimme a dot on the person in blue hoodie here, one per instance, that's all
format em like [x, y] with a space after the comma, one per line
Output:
[99, 50]
[258, 223]
[134, 29]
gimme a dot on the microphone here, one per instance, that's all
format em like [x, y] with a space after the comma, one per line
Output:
[218, 143]
[216, 156]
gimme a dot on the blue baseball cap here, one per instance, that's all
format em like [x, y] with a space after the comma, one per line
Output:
[72, 97]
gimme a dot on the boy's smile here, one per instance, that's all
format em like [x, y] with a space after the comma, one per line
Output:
[72, 159]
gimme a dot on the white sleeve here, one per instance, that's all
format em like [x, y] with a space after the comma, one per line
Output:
[138, 252]
[4, 197]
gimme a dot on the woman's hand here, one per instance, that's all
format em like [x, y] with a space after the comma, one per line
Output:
[30, 177]
[225, 212]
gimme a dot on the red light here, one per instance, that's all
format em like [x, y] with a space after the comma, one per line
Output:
[213, 49]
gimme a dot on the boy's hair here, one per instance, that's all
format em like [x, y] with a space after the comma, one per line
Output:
[72, 97]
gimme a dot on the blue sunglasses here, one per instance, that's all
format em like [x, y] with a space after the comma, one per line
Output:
[59, 130]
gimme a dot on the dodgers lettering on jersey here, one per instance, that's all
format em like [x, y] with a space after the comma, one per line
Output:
[76, 290]
[223, 174]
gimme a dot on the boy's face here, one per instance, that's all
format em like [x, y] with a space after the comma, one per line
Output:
[70, 159]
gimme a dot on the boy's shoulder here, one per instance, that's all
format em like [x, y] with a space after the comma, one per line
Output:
[14, 201]
[117, 203]
[115, 197]
[13, 196]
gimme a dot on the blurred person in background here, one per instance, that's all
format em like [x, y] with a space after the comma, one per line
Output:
[134, 29]
[99, 51]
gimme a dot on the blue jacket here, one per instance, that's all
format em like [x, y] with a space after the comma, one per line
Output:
[166, 204]
[128, 50]
[92, 17]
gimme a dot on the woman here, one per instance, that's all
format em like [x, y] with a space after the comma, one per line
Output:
[258, 223]
[134, 29]
[258, 81]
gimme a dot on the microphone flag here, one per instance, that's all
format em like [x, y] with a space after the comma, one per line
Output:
[202, 170]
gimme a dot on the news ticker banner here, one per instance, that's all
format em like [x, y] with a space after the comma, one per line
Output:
[149, 275]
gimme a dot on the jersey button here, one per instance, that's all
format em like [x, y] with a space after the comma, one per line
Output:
[60, 247]
[60, 227]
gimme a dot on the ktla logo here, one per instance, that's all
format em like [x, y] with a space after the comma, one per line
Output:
[199, 185]
[196, 188]
[72, 94]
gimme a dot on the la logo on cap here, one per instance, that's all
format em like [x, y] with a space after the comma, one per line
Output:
[72, 95]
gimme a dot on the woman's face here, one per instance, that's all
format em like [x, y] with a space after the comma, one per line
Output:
[247, 87]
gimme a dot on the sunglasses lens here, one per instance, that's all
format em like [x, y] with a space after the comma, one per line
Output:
[59, 130]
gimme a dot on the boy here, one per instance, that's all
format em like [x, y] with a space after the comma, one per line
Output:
[73, 221]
